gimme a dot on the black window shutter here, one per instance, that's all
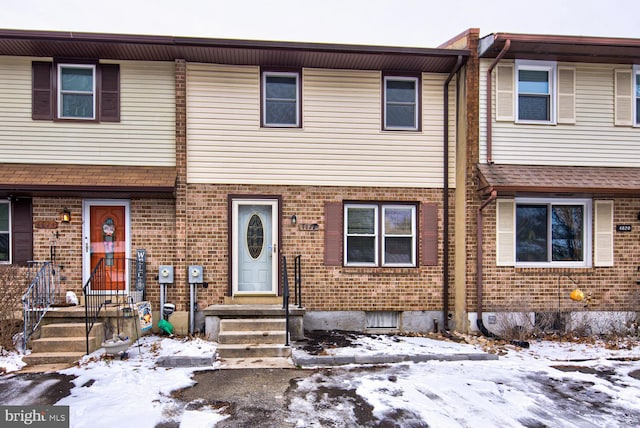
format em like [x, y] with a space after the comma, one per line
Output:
[109, 92]
[42, 91]
[429, 234]
[333, 234]
[22, 228]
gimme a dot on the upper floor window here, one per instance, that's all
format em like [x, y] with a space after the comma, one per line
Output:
[401, 103]
[5, 233]
[636, 87]
[380, 235]
[552, 231]
[281, 99]
[535, 86]
[76, 91]
[88, 92]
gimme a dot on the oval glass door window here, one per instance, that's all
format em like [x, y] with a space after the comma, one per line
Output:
[255, 236]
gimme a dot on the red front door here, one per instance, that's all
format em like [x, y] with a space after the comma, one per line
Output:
[107, 234]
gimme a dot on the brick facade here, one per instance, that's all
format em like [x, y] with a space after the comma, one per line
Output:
[544, 289]
[324, 287]
[152, 228]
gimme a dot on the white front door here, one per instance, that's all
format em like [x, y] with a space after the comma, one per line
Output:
[255, 247]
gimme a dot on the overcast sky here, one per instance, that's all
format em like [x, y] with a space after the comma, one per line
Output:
[424, 23]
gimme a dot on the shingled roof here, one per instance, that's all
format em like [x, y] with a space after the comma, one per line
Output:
[509, 179]
[87, 180]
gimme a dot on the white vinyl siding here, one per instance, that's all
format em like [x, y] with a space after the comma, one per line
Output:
[144, 136]
[592, 140]
[603, 234]
[340, 143]
[505, 232]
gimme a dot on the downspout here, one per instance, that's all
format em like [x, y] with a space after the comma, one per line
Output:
[445, 200]
[504, 50]
[479, 238]
[521, 343]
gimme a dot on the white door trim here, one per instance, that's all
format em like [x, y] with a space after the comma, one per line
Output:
[86, 232]
[272, 246]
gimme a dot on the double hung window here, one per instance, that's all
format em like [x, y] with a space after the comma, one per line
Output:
[72, 91]
[281, 99]
[401, 103]
[380, 235]
[636, 94]
[76, 91]
[552, 232]
[5, 233]
[535, 84]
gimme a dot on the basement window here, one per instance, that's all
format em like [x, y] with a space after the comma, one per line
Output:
[381, 319]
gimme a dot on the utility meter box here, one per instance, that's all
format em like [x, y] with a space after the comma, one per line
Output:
[195, 275]
[165, 274]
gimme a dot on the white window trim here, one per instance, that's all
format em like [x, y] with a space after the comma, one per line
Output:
[10, 260]
[588, 231]
[266, 74]
[549, 66]
[635, 96]
[59, 90]
[375, 235]
[413, 235]
[416, 118]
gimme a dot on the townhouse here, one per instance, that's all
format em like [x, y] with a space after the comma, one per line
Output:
[231, 156]
[418, 189]
[558, 180]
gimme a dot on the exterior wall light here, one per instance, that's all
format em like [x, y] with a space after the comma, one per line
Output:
[294, 219]
[65, 216]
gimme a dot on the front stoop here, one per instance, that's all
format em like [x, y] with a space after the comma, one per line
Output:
[252, 337]
[62, 343]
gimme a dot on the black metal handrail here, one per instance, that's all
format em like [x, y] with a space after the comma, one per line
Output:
[107, 285]
[297, 290]
[39, 297]
[285, 298]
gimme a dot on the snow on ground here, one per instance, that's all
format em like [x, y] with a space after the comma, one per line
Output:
[559, 384]
[134, 392]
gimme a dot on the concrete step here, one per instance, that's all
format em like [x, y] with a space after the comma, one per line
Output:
[253, 300]
[250, 351]
[67, 329]
[252, 324]
[65, 344]
[252, 337]
[40, 358]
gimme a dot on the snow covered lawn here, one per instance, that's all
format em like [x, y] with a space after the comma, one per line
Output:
[558, 384]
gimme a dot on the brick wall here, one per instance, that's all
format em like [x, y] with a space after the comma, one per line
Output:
[324, 288]
[152, 228]
[544, 289]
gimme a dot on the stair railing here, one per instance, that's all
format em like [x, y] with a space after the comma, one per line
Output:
[39, 297]
[105, 286]
[297, 290]
[285, 298]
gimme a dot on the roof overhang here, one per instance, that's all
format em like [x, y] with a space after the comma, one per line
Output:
[585, 180]
[562, 48]
[86, 181]
[227, 51]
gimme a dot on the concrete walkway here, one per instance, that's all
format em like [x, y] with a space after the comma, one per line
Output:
[303, 359]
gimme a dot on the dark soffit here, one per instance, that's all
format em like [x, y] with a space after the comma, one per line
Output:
[226, 51]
